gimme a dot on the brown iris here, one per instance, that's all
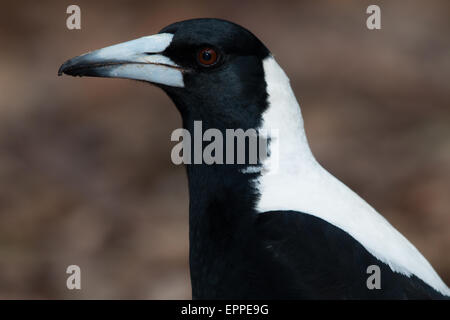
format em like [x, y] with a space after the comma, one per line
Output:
[207, 57]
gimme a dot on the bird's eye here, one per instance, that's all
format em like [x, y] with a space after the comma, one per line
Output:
[207, 57]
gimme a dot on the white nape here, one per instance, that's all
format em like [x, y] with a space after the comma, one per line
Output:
[300, 183]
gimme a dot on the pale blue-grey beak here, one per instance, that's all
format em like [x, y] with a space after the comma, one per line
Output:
[139, 59]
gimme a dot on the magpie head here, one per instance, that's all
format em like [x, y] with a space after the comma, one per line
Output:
[212, 69]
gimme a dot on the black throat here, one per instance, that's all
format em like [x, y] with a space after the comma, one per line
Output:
[221, 215]
[222, 197]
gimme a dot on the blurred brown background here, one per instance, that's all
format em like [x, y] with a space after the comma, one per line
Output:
[85, 170]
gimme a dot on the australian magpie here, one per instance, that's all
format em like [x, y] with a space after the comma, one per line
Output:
[258, 231]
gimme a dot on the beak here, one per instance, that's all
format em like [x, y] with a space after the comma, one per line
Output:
[139, 59]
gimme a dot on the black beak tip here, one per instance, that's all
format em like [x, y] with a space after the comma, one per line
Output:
[79, 67]
[63, 68]
[71, 67]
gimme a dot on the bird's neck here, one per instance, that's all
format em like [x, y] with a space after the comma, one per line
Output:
[222, 201]
[222, 205]
[223, 193]
[224, 198]
[291, 161]
[284, 121]
[221, 196]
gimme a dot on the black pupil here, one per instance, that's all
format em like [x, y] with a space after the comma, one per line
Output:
[206, 55]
